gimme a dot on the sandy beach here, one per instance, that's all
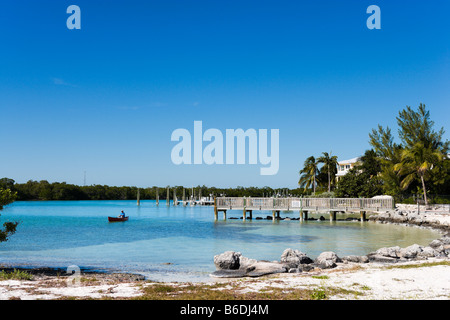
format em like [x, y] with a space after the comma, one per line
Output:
[423, 280]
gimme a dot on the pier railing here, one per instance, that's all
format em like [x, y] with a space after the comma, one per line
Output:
[332, 204]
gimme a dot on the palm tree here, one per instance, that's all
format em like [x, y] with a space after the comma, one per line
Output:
[417, 162]
[329, 163]
[309, 173]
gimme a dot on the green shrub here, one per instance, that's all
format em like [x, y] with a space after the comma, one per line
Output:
[15, 275]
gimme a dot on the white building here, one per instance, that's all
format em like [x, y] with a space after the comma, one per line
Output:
[344, 166]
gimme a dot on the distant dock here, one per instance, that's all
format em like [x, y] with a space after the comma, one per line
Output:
[206, 201]
[303, 205]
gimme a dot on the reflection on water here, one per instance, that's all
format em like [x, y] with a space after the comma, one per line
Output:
[177, 243]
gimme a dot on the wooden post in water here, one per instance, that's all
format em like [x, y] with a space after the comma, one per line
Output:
[184, 197]
[277, 213]
[363, 216]
[332, 215]
[138, 197]
[301, 209]
[245, 211]
[215, 209]
[175, 201]
[157, 196]
[168, 197]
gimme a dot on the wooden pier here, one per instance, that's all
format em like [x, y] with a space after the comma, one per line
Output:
[302, 205]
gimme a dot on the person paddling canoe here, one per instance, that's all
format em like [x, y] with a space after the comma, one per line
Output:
[122, 214]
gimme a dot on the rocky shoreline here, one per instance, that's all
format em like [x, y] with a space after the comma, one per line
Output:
[409, 215]
[377, 275]
[232, 264]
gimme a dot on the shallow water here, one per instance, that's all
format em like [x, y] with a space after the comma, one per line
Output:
[176, 243]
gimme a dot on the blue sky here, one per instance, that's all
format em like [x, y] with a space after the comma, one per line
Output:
[105, 99]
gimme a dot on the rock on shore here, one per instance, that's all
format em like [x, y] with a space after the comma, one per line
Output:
[293, 258]
[232, 264]
[408, 214]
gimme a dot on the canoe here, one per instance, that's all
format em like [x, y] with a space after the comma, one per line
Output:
[116, 219]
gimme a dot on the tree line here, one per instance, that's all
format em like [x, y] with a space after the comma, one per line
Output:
[44, 190]
[418, 165]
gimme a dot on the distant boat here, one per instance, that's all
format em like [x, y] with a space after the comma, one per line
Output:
[116, 219]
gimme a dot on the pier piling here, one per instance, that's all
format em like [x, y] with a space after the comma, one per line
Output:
[168, 197]
[275, 214]
[363, 216]
[332, 215]
[157, 196]
[216, 213]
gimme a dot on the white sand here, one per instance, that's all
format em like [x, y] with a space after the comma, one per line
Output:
[371, 282]
[44, 290]
[359, 281]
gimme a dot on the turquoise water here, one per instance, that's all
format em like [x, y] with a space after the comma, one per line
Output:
[176, 243]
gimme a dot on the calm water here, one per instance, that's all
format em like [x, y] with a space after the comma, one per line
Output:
[176, 243]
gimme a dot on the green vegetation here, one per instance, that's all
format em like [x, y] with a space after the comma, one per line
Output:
[43, 190]
[227, 291]
[362, 180]
[9, 228]
[308, 175]
[318, 294]
[419, 165]
[313, 177]
[330, 164]
[6, 197]
[417, 162]
[15, 275]
[419, 265]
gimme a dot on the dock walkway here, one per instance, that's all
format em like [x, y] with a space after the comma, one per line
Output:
[303, 205]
